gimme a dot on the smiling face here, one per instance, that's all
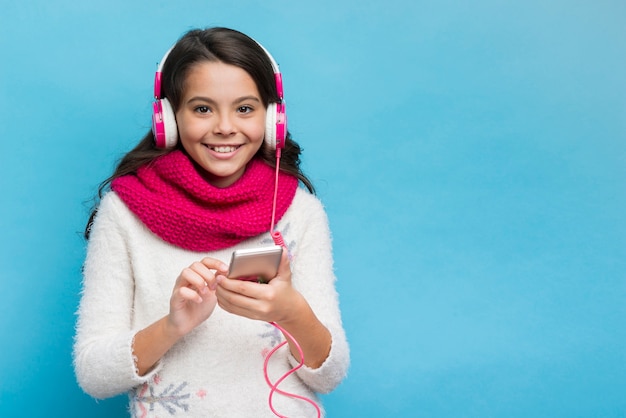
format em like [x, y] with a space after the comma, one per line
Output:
[221, 120]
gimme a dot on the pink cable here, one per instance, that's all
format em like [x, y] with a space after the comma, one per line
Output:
[278, 240]
[274, 386]
[275, 195]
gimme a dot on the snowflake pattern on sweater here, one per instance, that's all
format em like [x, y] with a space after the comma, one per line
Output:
[149, 398]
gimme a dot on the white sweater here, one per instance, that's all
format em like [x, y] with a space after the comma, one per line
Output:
[217, 369]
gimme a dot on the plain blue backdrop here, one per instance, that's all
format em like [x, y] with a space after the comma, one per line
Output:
[471, 157]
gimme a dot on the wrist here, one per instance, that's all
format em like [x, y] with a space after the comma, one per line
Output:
[170, 331]
[150, 344]
[299, 312]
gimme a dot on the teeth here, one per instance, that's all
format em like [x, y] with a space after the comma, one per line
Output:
[224, 149]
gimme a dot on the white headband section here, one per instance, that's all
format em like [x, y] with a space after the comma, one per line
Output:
[160, 65]
[272, 61]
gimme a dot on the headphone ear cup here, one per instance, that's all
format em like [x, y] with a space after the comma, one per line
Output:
[270, 126]
[164, 126]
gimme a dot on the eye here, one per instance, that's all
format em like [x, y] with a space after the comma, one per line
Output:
[202, 109]
[244, 109]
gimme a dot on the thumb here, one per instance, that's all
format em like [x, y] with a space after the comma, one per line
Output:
[284, 268]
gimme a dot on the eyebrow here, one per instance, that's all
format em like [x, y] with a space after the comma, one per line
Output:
[236, 101]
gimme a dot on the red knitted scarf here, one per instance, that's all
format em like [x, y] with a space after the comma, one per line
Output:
[174, 201]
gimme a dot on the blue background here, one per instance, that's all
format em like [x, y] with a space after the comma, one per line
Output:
[471, 156]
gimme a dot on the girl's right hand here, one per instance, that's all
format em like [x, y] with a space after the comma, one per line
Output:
[192, 302]
[193, 298]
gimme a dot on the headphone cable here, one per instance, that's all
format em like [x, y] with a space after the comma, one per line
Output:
[278, 240]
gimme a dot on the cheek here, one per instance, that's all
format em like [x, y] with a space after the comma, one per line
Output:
[261, 133]
[258, 129]
[188, 131]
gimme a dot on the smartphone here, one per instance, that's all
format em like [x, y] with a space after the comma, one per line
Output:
[255, 264]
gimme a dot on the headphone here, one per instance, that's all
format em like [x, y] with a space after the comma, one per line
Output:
[164, 126]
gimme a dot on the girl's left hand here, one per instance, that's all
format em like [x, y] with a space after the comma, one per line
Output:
[276, 301]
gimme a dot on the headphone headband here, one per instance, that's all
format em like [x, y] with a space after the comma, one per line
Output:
[159, 73]
[278, 77]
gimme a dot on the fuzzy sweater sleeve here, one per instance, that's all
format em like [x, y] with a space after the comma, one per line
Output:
[103, 358]
[314, 277]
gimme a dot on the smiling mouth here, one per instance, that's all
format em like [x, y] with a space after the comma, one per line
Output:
[225, 149]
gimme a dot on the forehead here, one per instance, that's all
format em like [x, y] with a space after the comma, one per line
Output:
[215, 78]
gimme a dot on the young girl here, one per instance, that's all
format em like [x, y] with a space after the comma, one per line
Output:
[158, 317]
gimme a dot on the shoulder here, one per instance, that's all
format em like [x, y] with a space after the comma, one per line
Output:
[112, 212]
[111, 206]
[307, 208]
[307, 202]
[306, 218]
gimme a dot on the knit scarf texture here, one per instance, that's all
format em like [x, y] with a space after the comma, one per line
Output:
[177, 204]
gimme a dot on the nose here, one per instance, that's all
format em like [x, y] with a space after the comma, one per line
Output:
[224, 125]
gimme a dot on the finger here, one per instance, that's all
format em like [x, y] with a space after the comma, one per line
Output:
[249, 296]
[209, 268]
[215, 264]
[284, 268]
[234, 302]
[187, 294]
[236, 286]
[196, 276]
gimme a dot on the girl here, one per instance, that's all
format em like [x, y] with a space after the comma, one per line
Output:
[158, 317]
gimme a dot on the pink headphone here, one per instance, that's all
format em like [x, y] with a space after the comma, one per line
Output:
[164, 126]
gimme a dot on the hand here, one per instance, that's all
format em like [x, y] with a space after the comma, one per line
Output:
[193, 298]
[275, 301]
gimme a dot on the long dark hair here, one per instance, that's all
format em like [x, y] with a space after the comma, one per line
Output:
[199, 45]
